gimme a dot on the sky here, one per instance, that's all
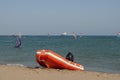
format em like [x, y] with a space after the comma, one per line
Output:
[40, 17]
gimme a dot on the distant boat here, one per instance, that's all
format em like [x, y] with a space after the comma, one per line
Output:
[64, 34]
[81, 34]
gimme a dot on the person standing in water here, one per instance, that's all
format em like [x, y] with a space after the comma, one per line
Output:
[70, 56]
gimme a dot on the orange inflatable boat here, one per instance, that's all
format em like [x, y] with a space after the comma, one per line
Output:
[50, 59]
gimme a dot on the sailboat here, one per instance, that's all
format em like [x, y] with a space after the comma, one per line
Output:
[81, 35]
[64, 34]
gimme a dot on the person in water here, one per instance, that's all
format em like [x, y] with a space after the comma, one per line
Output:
[70, 56]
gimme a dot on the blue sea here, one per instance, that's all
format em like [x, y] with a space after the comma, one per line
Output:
[95, 53]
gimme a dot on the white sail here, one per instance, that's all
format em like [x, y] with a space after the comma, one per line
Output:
[19, 35]
[118, 34]
[74, 35]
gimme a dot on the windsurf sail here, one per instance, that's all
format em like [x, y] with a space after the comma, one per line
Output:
[118, 34]
[18, 42]
[74, 35]
[19, 35]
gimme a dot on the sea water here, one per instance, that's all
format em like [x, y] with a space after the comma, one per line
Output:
[95, 53]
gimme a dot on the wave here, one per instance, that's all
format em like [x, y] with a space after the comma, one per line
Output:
[19, 65]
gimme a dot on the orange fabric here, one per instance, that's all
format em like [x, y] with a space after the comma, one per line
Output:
[51, 59]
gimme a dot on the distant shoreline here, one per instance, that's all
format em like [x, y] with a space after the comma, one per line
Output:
[69, 35]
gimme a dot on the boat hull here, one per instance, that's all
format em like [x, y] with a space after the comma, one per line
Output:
[50, 59]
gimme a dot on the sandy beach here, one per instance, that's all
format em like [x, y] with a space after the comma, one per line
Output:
[23, 73]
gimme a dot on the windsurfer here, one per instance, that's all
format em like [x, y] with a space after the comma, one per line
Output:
[19, 42]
